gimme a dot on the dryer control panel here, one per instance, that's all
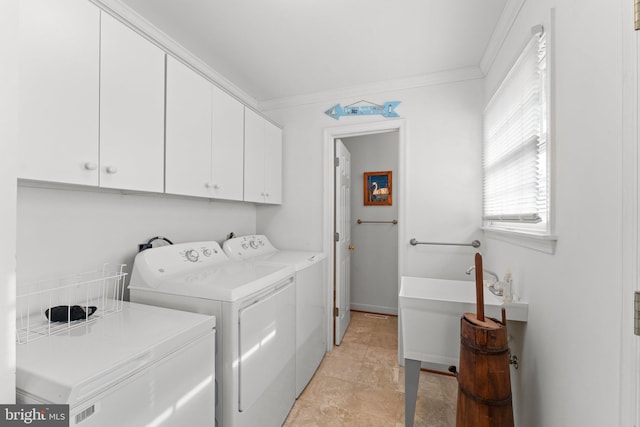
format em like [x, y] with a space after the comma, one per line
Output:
[246, 247]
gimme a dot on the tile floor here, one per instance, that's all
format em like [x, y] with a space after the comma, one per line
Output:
[360, 383]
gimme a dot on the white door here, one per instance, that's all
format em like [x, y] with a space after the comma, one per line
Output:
[59, 82]
[267, 337]
[262, 160]
[131, 109]
[637, 362]
[188, 131]
[253, 156]
[273, 163]
[342, 277]
[227, 139]
[634, 341]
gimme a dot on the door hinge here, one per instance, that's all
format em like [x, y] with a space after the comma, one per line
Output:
[636, 313]
[336, 311]
[336, 237]
[337, 161]
[636, 14]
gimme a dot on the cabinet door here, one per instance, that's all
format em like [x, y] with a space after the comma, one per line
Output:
[59, 82]
[253, 156]
[131, 109]
[188, 127]
[228, 146]
[273, 163]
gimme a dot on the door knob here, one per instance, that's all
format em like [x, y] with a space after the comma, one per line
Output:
[352, 248]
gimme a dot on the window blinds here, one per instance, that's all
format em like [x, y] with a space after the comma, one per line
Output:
[515, 183]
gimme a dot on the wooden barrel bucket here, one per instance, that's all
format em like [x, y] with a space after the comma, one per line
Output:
[484, 383]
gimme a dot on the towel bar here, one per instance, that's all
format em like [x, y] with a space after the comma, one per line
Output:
[475, 243]
[394, 221]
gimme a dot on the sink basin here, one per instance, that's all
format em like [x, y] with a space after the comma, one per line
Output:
[430, 311]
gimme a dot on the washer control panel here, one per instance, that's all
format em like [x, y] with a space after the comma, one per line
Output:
[247, 246]
[151, 266]
[181, 257]
[200, 252]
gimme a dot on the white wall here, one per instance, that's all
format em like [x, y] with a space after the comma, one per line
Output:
[443, 173]
[67, 230]
[440, 163]
[8, 139]
[569, 351]
[374, 262]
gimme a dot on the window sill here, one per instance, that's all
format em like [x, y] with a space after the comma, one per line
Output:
[540, 242]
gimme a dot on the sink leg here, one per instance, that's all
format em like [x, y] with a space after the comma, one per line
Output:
[411, 378]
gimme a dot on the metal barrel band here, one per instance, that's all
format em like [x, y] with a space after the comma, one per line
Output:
[476, 349]
[501, 402]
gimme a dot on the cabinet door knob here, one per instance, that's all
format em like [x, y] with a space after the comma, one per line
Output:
[90, 166]
[207, 185]
[112, 169]
[266, 194]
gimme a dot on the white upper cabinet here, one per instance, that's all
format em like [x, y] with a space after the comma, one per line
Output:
[253, 157]
[273, 163]
[131, 110]
[262, 160]
[93, 111]
[59, 82]
[204, 145]
[188, 143]
[228, 146]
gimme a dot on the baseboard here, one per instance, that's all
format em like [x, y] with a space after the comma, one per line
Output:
[375, 309]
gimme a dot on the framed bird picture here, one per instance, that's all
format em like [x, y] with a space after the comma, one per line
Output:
[377, 188]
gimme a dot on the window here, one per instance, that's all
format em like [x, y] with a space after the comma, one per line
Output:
[515, 158]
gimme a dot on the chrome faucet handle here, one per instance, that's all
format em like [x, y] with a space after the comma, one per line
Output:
[495, 291]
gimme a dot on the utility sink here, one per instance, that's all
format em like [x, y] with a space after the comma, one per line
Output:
[430, 312]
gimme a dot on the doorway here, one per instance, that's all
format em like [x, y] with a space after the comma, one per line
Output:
[398, 127]
[374, 231]
[630, 346]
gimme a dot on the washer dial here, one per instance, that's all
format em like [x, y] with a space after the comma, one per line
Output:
[192, 255]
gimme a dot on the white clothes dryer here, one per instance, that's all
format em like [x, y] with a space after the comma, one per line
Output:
[311, 285]
[254, 305]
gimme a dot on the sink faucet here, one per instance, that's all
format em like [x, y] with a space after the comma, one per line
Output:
[494, 282]
[484, 271]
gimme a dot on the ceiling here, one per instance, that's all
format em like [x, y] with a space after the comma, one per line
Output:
[276, 49]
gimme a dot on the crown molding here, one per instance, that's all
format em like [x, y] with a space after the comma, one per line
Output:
[505, 22]
[141, 25]
[432, 79]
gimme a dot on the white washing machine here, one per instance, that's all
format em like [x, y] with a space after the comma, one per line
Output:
[141, 366]
[310, 297]
[254, 305]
